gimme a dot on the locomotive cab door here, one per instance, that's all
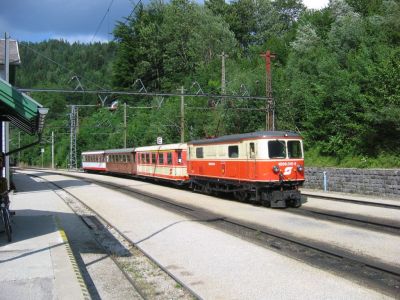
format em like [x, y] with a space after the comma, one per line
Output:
[251, 160]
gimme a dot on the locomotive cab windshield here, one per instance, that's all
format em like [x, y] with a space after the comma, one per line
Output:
[279, 149]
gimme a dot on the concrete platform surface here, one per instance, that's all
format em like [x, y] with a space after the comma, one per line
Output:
[38, 263]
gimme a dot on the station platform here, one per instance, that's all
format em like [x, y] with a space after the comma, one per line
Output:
[38, 263]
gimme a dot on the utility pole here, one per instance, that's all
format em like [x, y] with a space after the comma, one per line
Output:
[269, 102]
[182, 115]
[52, 149]
[125, 125]
[223, 79]
[5, 124]
[77, 119]
[72, 145]
[73, 133]
[19, 146]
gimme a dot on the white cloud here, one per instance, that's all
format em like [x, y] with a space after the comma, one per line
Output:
[315, 4]
[81, 38]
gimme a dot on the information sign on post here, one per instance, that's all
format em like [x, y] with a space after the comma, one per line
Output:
[159, 140]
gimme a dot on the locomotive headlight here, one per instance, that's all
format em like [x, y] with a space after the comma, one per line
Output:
[275, 169]
[300, 168]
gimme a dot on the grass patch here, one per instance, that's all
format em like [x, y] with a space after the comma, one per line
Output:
[383, 161]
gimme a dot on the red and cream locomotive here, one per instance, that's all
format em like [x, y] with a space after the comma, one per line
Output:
[265, 166]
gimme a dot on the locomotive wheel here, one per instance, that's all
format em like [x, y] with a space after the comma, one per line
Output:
[266, 203]
[242, 196]
[295, 203]
[206, 189]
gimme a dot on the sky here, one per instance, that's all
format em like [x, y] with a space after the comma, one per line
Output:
[71, 20]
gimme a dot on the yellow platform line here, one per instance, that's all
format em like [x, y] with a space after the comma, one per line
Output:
[72, 259]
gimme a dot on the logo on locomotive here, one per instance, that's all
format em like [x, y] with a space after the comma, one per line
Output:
[288, 171]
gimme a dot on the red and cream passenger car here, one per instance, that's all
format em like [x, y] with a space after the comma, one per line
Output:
[265, 166]
[93, 161]
[166, 162]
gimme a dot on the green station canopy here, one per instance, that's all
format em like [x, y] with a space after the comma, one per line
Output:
[20, 109]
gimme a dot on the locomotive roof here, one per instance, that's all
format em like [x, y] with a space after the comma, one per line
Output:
[123, 150]
[243, 136]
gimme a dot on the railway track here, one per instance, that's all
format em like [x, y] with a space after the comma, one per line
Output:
[371, 223]
[353, 201]
[366, 270]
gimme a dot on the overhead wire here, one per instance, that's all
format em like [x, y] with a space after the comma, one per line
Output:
[102, 20]
[132, 11]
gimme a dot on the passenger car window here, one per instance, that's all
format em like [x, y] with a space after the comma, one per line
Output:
[169, 158]
[161, 158]
[153, 158]
[233, 151]
[277, 149]
[179, 157]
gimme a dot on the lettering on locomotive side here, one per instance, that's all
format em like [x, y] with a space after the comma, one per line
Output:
[211, 164]
[287, 163]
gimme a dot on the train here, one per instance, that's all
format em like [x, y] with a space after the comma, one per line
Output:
[265, 167]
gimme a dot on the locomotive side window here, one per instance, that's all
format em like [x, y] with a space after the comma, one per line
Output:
[252, 150]
[153, 158]
[199, 152]
[233, 151]
[161, 158]
[277, 149]
[294, 149]
[169, 158]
